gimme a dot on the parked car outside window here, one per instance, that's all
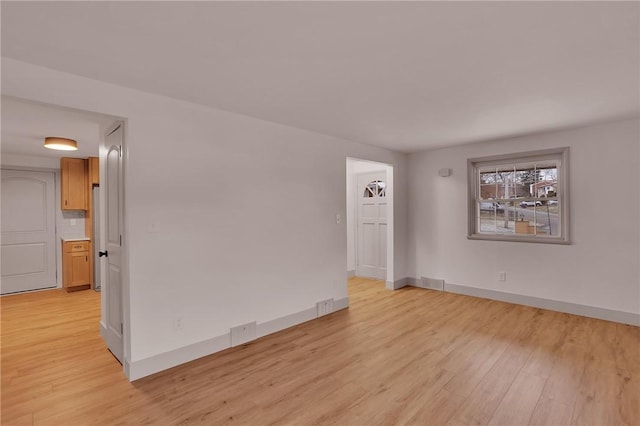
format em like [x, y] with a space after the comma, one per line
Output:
[490, 206]
[525, 204]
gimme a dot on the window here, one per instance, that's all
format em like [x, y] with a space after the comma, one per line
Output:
[376, 188]
[520, 197]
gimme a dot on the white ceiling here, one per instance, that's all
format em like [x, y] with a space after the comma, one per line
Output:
[26, 124]
[403, 75]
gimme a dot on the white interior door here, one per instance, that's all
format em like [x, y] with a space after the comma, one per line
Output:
[372, 225]
[28, 249]
[112, 288]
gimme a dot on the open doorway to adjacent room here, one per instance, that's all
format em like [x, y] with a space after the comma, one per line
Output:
[59, 206]
[370, 221]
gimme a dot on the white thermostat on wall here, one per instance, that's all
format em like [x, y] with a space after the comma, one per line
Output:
[444, 172]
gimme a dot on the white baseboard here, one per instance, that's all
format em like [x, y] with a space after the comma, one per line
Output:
[536, 302]
[351, 273]
[166, 360]
[154, 364]
[552, 305]
[340, 304]
[430, 283]
[287, 321]
[398, 284]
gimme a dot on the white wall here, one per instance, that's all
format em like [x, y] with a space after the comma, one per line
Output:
[600, 267]
[246, 210]
[30, 161]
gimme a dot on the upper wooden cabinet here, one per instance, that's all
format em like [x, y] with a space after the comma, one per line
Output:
[73, 183]
[94, 170]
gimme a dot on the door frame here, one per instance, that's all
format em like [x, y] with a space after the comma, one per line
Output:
[352, 212]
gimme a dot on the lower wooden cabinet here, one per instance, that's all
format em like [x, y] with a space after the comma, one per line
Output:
[75, 264]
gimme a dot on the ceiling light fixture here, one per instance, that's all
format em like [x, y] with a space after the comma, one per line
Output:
[62, 144]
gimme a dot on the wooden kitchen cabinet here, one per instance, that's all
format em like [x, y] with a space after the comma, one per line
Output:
[94, 170]
[76, 270]
[73, 183]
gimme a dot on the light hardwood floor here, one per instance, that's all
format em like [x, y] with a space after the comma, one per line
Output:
[412, 356]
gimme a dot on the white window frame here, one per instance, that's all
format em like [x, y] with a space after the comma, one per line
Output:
[474, 165]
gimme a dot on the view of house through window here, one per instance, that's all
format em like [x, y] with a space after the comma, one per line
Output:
[519, 197]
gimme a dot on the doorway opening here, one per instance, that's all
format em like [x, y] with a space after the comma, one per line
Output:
[36, 259]
[370, 220]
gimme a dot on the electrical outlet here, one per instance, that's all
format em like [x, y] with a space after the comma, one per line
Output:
[338, 219]
[502, 276]
[244, 333]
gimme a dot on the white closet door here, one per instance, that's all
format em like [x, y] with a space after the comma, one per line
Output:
[28, 249]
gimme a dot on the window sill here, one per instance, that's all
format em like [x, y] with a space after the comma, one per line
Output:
[519, 239]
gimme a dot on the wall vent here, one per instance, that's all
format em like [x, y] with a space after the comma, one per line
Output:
[324, 307]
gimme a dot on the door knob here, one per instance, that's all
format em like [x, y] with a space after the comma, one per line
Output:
[103, 253]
